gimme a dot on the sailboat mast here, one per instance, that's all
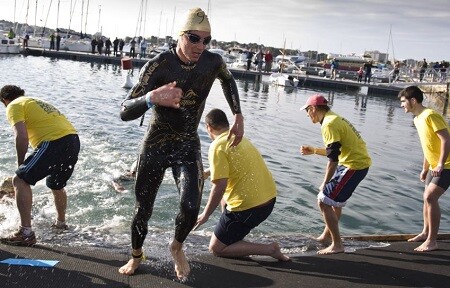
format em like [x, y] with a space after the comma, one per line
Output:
[57, 16]
[85, 23]
[35, 19]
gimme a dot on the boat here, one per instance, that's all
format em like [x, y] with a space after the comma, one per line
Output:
[282, 79]
[227, 57]
[8, 46]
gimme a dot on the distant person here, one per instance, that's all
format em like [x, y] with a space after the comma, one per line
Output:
[129, 175]
[93, 45]
[243, 183]
[249, 59]
[56, 146]
[25, 40]
[121, 44]
[348, 164]
[259, 60]
[52, 41]
[100, 46]
[58, 41]
[115, 46]
[396, 73]
[360, 74]
[175, 85]
[143, 45]
[108, 47]
[11, 34]
[268, 58]
[423, 68]
[443, 70]
[334, 67]
[133, 48]
[434, 135]
[367, 71]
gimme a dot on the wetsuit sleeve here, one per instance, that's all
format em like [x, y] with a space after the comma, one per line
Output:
[134, 105]
[333, 151]
[229, 88]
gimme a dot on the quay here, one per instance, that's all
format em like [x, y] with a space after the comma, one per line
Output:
[394, 265]
[305, 79]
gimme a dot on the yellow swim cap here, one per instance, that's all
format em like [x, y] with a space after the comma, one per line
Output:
[196, 19]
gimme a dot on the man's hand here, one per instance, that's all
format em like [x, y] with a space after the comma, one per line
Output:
[202, 218]
[168, 95]
[237, 130]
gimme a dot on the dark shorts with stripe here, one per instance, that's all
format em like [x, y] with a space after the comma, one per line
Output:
[234, 226]
[442, 181]
[341, 186]
[52, 159]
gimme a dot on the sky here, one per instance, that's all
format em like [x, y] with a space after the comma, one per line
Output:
[403, 28]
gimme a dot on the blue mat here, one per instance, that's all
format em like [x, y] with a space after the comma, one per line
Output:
[30, 262]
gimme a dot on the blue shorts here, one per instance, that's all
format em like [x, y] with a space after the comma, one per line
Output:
[341, 186]
[442, 181]
[52, 159]
[234, 226]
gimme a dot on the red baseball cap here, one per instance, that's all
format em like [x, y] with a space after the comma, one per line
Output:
[315, 100]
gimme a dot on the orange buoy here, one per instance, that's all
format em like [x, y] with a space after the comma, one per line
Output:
[126, 63]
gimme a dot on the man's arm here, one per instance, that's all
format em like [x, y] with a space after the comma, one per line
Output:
[215, 197]
[21, 139]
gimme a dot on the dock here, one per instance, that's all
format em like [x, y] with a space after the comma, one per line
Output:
[305, 80]
[396, 264]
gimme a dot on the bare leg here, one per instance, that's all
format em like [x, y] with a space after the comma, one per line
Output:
[332, 223]
[244, 248]
[424, 234]
[182, 267]
[60, 198]
[24, 200]
[325, 237]
[132, 265]
[431, 198]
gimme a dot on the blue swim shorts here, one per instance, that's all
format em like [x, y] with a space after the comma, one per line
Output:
[341, 186]
[234, 226]
[52, 159]
[442, 181]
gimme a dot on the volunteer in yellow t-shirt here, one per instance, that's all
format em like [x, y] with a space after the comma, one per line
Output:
[434, 137]
[56, 146]
[243, 183]
[348, 164]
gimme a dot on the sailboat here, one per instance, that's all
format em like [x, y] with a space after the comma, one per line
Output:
[79, 43]
[283, 79]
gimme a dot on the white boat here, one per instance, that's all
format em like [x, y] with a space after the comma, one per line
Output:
[227, 57]
[282, 79]
[78, 45]
[8, 46]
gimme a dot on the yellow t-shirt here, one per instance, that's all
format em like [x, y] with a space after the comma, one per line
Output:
[428, 122]
[250, 182]
[354, 153]
[43, 121]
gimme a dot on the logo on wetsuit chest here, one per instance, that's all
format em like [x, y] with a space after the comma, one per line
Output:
[190, 98]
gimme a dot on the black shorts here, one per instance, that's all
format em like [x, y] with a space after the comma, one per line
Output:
[442, 181]
[234, 226]
[52, 159]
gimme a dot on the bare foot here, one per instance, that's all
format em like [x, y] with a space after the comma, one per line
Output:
[332, 249]
[427, 246]
[181, 264]
[324, 239]
[418, 238]
[130, 267]
[277, 253]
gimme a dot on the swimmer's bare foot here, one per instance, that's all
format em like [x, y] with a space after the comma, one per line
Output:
[277, 253]
[324, 238]
[182, 267]
[427, 246]
[418, 238]
[130, 267]
[332, 249]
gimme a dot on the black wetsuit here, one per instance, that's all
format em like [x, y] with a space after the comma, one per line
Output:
[172, 139]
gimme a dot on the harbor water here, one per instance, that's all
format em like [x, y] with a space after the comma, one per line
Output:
[388, 201]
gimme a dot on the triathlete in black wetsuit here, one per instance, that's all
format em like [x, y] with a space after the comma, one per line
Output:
[176, 83]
